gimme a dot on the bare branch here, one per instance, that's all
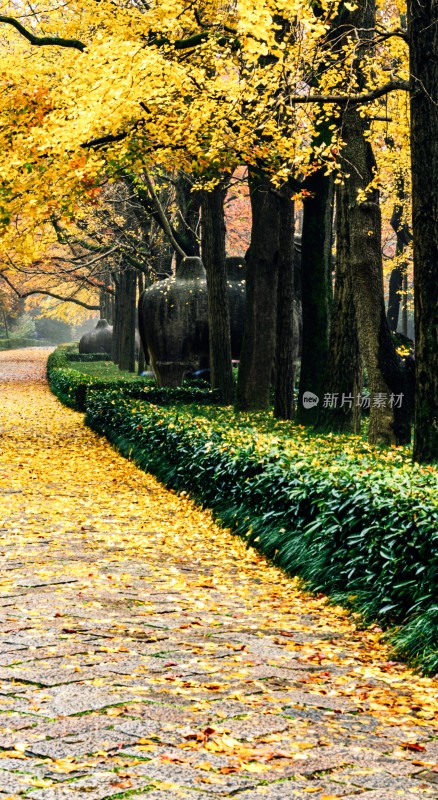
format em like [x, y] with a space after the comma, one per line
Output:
[94, 259]
[160, 210]
[401, 33]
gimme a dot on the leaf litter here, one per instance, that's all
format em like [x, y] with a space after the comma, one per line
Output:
[144, 648]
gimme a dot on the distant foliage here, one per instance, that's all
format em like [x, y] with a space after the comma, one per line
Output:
[55, 330]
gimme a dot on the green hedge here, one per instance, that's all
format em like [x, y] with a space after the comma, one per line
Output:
[366, 535]
[18, 343]
[72, 386]
[87, 357]
[355, 522]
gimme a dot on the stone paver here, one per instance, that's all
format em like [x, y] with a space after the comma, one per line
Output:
[146, 654]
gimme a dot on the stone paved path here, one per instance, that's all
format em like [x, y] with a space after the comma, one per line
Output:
[145, 653]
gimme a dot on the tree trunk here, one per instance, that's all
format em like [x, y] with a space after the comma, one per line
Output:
[187, 221]
[423, 35]
[394, 298]
[132, 319]
[102, 299]
[389, 423]
[403, 235]
[123, 354]
[141, 353]
[5, 323]
[405, 304]
[285, 343]
[115, 349]
[339, 408]
[213, 257]
[127, 320]
[109, 299]
[258, 348]
[315, 288]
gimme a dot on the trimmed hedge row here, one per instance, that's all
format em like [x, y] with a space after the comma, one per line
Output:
[87, 357]
[18, 343]
[354, 522]
[72, 387]
[367, 538]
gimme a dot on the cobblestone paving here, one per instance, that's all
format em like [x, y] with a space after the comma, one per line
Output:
[144, 653]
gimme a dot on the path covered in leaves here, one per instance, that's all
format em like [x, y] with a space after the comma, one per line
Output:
[146, 653]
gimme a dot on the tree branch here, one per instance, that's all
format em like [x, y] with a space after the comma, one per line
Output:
[41, 41]
[400, 33]
[101, 141]
[160, 211]
[179, 44]
[23, 295]
[356, 99]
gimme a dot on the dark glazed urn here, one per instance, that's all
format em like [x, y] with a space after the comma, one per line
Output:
[173, 322]
[99, 340]
[173, 319]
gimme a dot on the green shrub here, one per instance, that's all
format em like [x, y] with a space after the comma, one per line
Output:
[72, 385]
[57, 359]
[355, 522]
[14, 343]
[87, 357]
[359, 525]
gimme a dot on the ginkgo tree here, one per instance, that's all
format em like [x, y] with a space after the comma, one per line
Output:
[201, 88]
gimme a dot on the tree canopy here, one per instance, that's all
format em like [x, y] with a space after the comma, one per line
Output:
[98, 97]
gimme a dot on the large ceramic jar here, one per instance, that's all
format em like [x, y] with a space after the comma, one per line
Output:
[173, 319]
[99, 340]
[173, 322]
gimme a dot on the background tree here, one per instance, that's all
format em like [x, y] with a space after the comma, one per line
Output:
[213, 257]
[200, 93]
[423, 42]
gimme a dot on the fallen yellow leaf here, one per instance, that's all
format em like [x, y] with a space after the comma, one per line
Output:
[254, 766]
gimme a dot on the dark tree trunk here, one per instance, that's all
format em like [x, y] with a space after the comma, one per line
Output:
[115, 348]
[109, 308]
[396, 278]
[389, 423]
[338, 409]
[258, 348]
[5, 323]
[423, 35]
[405, 304]
[132, 318]
[363, 257]
[187, 221]
[285, 343]
[106, 299]
[315, 288]
[213, 257]
[124, 305]
[141, 353]
[127, 320]
[102, 298]
[394, 298]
